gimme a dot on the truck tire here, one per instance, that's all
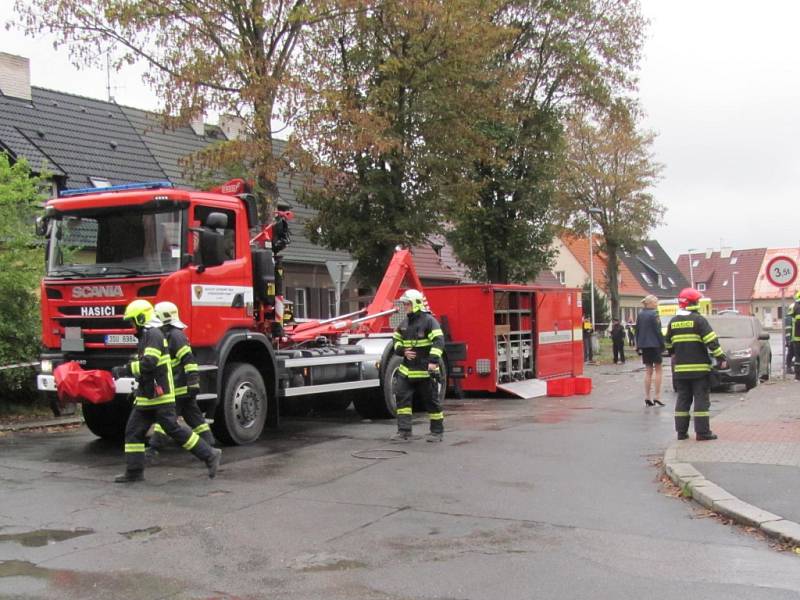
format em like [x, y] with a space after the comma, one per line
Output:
[381, 403]
[242, 410]
[107, 420]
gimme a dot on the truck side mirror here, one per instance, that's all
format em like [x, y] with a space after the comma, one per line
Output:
[42, 226]
[212, 248]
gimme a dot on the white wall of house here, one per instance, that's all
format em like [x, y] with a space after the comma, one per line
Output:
[567, 268]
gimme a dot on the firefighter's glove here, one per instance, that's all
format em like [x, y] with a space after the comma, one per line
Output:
[119, 371]
[192, 392]
[410, 354]
[433, 368]
[722, 364]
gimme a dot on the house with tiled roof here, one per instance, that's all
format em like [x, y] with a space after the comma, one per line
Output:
[728, 277]
[572, 268]
[84, 142]
[654, 270]
[768, 302]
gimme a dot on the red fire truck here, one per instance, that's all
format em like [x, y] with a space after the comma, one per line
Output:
[203, 251]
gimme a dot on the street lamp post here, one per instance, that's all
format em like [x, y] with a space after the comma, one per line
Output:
[592, 211]
[733, 288]
[691, 270]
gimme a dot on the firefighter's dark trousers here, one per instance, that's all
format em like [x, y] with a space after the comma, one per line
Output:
[186, 407]
[405, 389]
[693, 391]
[618, 348]
[139, 423]
[796, 353]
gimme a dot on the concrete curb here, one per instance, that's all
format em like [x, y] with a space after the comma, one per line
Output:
[38, 424]
[716, 499]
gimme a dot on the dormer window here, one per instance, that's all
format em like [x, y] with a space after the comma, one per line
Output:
[649, 252]
[701, 287]
[100, 182]
[734, 259]
[695, 263]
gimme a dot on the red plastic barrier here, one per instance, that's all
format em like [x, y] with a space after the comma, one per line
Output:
[583, 385]
[564, 386]
[73, 384]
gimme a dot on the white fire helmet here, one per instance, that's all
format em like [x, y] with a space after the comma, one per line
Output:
[416, 300]
[167, 313]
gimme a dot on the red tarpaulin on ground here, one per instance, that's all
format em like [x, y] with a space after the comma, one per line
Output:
[73, 384]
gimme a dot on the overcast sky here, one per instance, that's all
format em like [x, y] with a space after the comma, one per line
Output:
[720, 82]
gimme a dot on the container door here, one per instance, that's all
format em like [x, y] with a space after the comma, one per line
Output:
[555, 324]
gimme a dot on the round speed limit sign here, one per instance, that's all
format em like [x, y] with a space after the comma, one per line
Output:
[781, 271]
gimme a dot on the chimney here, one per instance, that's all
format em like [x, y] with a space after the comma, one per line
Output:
[232, 126]
[198, 125]
[725, 252]
[15, 76]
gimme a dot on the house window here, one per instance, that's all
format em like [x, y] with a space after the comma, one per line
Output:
[701, 287]
[649, 252]
[671, 281]
[695, 263]
[647, 279]
[725, 283]
[100, 182]
[661, 282]
[332, 308]
[562, 277]
[734, 260]
[300, 303]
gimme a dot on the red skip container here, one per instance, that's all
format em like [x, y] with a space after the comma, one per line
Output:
[564, 386]
[583, 385]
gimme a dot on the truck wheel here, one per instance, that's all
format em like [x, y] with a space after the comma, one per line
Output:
[107, 420]
[242, 412]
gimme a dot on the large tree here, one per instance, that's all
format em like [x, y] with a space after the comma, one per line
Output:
[561, 53]
[233, 56]
[393, 92]
[609, 170]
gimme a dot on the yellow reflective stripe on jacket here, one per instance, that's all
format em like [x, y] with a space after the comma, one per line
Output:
[191, 368]
[143, 402]
[717, 352]
[416, 343]
[134, 447]
[434, 334]
[685, 337]
[436, 352]
[202, 428]
[159, 429]
[154, 352]
[695, 368]
[709, 337]
[184, 350]
[181, 391]
[135, 370]
[404, 370]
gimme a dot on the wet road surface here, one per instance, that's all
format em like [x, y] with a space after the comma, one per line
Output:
[543, 498]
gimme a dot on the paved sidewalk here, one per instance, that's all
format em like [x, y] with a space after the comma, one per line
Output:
[752, 472]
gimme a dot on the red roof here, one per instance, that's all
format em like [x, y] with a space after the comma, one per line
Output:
[579, 247]
[430, 267]
[715, 270]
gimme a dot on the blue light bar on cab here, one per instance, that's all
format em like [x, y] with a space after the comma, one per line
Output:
[125, 187]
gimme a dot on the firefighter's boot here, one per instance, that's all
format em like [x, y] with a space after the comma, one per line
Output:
[151, 456]
[213, 462]
[434, 436]
[129, 477]
[401, 436]
[705, 437]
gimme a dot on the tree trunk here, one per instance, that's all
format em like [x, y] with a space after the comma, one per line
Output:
[612, 278]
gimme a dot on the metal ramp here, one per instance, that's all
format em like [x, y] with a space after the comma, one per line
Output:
[529, 388]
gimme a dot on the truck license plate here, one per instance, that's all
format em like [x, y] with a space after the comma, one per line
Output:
[121, 340]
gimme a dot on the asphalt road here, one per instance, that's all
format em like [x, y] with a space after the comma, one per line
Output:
[544, 498]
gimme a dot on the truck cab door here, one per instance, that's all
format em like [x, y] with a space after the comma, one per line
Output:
[221, 296]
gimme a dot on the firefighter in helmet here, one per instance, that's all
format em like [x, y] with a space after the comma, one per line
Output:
[186, 377]
[420, 341]
[689, 341]
[155, 400]
[795, 316]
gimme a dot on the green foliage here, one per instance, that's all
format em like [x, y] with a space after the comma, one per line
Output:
[21, 267]
[601, 310]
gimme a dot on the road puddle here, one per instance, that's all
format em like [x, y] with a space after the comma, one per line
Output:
[43, 537]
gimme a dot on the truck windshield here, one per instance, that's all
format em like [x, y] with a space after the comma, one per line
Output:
[127, 241]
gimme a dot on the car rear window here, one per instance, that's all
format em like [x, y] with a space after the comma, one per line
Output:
[732, 327]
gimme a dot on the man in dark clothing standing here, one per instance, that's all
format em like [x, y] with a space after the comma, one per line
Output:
[588, 330]
[618, 341]
[420, 341]
[650, 345]
[689, 341]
